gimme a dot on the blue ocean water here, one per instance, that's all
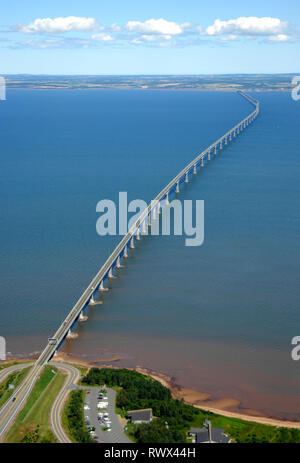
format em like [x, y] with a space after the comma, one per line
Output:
[220, 317]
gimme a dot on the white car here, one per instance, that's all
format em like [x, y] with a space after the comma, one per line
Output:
[86, 407]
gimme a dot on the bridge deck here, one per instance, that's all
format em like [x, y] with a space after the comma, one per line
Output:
[122, 246]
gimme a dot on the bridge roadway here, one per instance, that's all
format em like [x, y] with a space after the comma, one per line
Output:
[152, 209]
[120, 251]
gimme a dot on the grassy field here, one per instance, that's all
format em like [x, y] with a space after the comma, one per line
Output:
[32, 423]
[12, 380]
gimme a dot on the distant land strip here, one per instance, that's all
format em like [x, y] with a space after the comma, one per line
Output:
[227, 82]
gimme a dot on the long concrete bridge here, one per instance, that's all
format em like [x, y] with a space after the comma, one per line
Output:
[114, 261]
[146, 217]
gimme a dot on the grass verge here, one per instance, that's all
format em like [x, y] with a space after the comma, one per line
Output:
[13, 381]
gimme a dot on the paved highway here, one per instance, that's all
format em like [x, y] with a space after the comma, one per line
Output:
[9, 370]
[57, 408]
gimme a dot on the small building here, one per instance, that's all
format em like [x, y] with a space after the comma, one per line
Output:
[208, 434]
[140, 416]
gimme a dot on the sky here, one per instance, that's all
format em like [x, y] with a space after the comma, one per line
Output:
[155, 37]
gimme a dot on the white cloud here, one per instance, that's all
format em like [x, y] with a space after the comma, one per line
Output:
[102, 37]
[52, 43]
[279, 38]
[154, 38]
[115, 28]
[56, 25]
[229, 38]
[156, 26]
[248, 26]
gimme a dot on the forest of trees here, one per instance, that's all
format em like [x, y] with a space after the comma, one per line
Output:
[73, 414]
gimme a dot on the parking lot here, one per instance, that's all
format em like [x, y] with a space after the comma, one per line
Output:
[109, 420]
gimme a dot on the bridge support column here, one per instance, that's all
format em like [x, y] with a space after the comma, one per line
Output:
[215, 152]
[101, 287]
[158, 208]
[177, 187]
[92, 300]
[118, 265]
[154, 213]
[186, 178]
[144, 231]
[138, 238]
[167, 199]
[132, 243]
[110, 273]
[221, 145]
[226, 141]
[82, 318]
[230, 136]
[202, 162]
[195, 170]
[208, 156]
[149, 219]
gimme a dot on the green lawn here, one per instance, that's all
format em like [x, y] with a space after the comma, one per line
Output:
[32, 423]
[12, 380]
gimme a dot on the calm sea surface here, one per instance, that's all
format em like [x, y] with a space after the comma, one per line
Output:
[218, 318]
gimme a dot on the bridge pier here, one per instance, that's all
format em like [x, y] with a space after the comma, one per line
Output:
[149, 219]
[101, 287]
[82, 318]
[226, 141]
[195, 169]
[118, 264]
[71, 335]
[132, 243]
[167, 199]
[215, 152]
[208, 156]
[138, 238]
[221, 145]
[177, 187]
[202, 162]
[230, 136]
[110, 273]
[144, 231]
[186, 178]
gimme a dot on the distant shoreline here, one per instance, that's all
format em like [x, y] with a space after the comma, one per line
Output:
[227, 90]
